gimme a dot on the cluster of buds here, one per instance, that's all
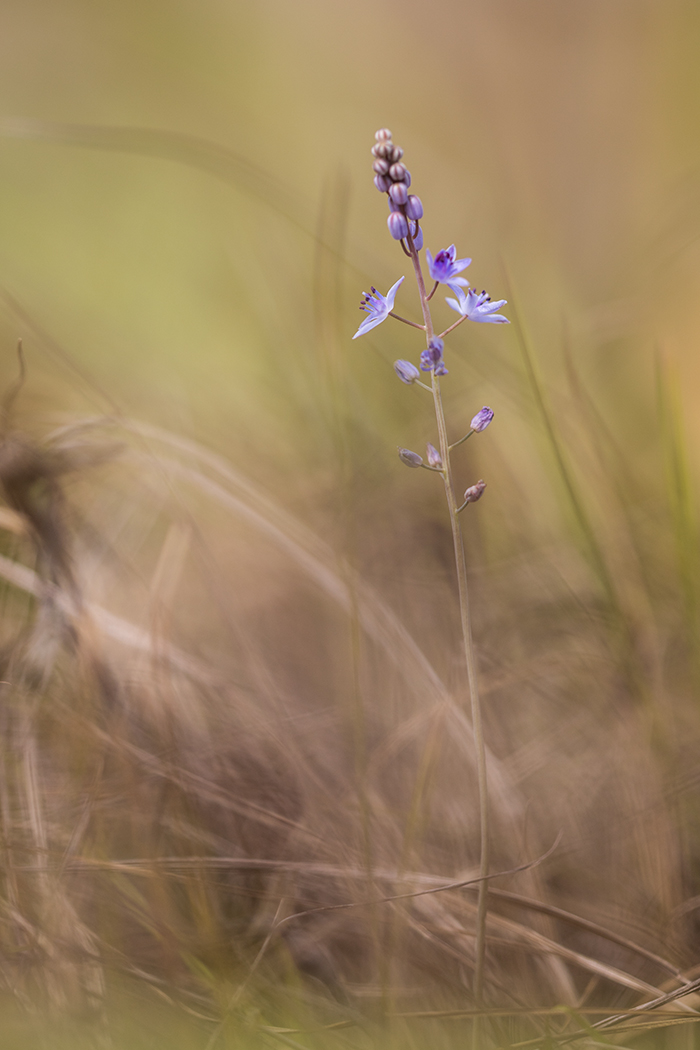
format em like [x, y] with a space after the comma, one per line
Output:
[393, 178]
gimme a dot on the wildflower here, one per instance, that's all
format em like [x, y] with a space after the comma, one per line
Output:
[378, 307]
[477, 306]
[474, 492]
[411, 459]
[432, 357]
[445, 267]
[434, 457]
[406, 372]
[482, 418]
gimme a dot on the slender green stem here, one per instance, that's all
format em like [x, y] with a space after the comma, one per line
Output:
[469, 654]
[412, 323]
[455, 443]
[452, 327]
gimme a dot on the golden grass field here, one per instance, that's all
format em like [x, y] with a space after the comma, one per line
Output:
[234, 720]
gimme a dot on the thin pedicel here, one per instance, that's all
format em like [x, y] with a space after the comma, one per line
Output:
[405, 212]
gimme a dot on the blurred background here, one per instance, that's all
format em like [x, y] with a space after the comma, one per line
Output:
[232, 688]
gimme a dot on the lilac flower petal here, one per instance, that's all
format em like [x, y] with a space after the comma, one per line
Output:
[367, 325]
[391, 294]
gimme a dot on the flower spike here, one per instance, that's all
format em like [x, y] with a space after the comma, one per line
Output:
[476, 306]
[378, 307]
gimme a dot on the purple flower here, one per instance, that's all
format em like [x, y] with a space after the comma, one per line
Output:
[378, 307]
[474, 492]
[406, 372]
[411, 459]
[445, 267]
[434, 457]
[477, 306]
[482, 418]
[432, 357]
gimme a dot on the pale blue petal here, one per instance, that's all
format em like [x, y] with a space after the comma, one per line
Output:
[367, 325]
[455, 306]
[460, 264]
[391, 294]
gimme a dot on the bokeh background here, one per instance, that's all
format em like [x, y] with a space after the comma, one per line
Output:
[260, 654]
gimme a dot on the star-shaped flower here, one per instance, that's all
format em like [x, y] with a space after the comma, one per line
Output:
[477, 306]
[378, 307]
[445, 267]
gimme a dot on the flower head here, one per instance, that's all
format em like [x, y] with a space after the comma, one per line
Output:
[378, 307]
[406, 372]
[477, 306]
[445, 266]
[482, 419]
[432, 357]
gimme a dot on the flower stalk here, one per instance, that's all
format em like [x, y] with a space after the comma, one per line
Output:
[393, 178]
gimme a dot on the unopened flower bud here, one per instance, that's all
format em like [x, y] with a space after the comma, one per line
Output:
[381, 167]
[396, 154]
[414, 206]
[407, 178]
[434, 457]
[411, 459]
[482, 419]
[382, 183]
[397, 223]
[417, 237]
[406, 372]
[392, 206]
[375, 150]
[474, 492]
[398, 193]
[397, 172]
[385, 149]
[383, 135]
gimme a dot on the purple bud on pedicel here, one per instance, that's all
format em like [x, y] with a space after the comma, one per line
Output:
[474, 492]
[398, 225]
[414, 207]
[406, 372]
[397, 172]
[434, 457]
[482, 419]
[381, 167]
[417, 236]
[396, 154]
[407, 178]
[375, 150]
[398, 193]
[382, 183]
[411, 459]
[383, 135]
